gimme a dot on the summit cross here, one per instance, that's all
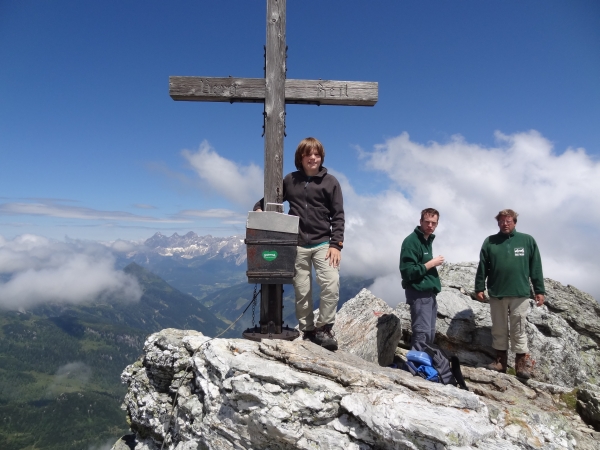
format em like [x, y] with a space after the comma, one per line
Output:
[274, 91]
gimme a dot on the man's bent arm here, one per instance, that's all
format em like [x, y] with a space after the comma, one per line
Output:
[410, 267]
[535, 271]
[482, 269]
[259, 205]
[336, 212]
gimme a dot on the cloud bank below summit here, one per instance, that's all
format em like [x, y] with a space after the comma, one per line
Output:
[36, 270]
[555, 193]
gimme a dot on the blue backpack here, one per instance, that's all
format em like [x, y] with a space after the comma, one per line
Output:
[434, 365]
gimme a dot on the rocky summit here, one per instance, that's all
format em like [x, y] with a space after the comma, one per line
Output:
[190, 392]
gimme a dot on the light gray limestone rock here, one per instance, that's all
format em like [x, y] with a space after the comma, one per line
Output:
[459, 276]
[526, 412]
[366, 327]
[276, 394]
[238, 394]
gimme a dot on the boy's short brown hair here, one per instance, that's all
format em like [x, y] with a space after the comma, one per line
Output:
[304, 148]
[507, 213]
[430, 212]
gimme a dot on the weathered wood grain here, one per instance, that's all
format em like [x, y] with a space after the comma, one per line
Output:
[271, 301]
[317, 92]
[329, 92]
[274, 104]
[212, 89]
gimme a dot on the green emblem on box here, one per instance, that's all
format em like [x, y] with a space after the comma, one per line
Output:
[269, 255]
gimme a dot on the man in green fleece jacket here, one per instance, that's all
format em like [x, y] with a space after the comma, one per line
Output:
[509, 260]
[420, 278]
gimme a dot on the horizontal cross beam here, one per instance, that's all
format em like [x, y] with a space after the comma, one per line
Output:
[252, 90]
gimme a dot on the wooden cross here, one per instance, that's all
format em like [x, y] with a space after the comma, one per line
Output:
[274, 91]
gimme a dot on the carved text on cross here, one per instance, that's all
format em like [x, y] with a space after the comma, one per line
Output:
[252, 90]
[274, 91]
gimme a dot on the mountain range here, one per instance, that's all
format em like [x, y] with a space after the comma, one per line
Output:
[196, 265]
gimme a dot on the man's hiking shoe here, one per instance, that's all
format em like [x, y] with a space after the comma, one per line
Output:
[500, 363]
[524, 365]
[325, 338]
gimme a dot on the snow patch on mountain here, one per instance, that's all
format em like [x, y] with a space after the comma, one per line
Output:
[191, 246]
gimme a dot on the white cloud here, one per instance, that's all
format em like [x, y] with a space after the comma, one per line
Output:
[557, 196]
[389, 287]
[123, 246]
[50, 208]
[40, 270]
[212, 214]
[242, 185]
[71, 375]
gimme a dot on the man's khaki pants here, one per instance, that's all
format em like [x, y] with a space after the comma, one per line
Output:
[328, 278]
[505, 312]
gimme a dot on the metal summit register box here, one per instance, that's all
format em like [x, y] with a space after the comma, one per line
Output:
[271, 241]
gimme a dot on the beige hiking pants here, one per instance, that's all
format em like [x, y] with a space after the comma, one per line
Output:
[328, 278]
[510, 311]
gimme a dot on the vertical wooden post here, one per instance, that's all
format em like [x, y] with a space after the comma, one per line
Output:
[274, 103]
[271, 309]
[272, 302]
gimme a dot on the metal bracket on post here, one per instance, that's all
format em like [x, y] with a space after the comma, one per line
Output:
[279, 206]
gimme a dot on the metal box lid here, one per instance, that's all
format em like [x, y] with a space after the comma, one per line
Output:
[272, 221]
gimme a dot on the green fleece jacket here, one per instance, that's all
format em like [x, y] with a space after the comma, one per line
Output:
[415, 252]
[508, 261]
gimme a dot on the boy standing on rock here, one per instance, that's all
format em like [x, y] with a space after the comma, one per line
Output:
[315, 196]
[508, 260]
[420, 278]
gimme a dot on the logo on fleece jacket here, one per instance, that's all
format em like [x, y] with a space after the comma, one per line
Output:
[519, 251]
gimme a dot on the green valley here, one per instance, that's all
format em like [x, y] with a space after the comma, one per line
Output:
[60, 365]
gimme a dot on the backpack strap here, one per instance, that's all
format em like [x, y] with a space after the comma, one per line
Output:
[441, 363]
[412, 368]
[458, 373]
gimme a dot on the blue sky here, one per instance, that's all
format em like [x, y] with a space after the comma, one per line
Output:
[92, 146]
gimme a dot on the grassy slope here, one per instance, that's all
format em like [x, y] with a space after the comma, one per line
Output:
[44, 410]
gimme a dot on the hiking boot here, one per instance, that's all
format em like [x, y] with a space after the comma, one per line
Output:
[325, 338]
[523, 365]
[500, 363]
[309, 335]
